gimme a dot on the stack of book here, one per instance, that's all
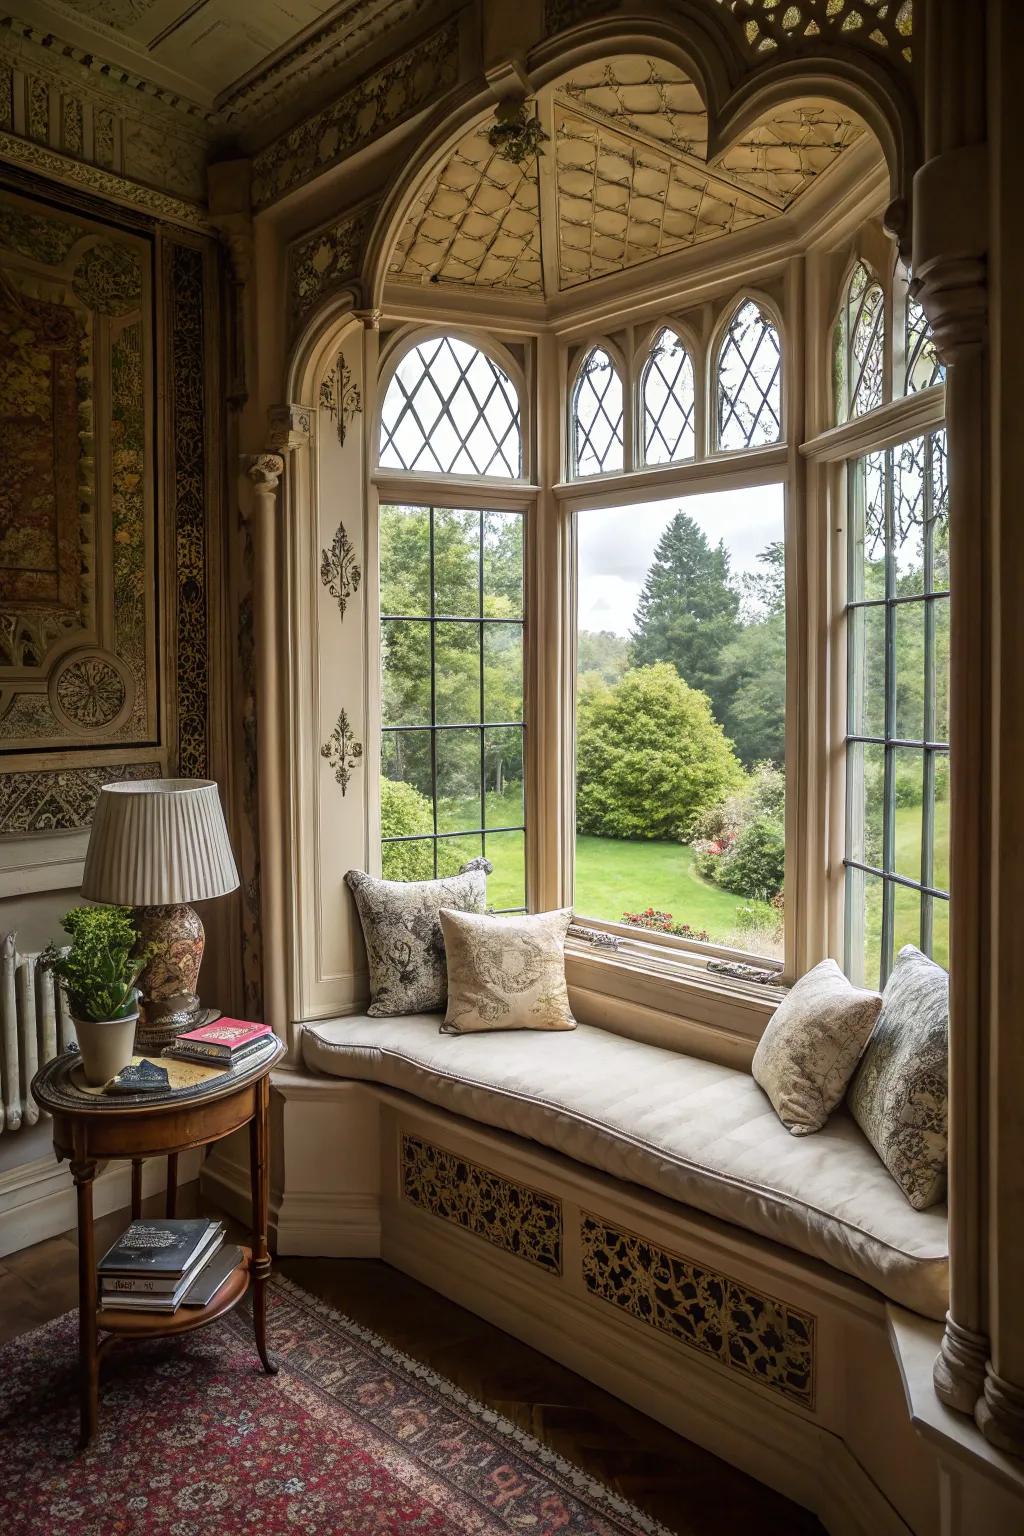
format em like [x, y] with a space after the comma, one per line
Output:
[160, 1265]
[224, 1043]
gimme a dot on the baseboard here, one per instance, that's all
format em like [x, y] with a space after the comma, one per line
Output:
[337, 1226]
[37, 1199]
[802, 1460]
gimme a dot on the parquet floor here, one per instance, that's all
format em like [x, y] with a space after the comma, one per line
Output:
[690, 1491]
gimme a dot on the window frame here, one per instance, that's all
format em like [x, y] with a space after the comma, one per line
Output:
[643, 360]
[842, 411]
[626, 378]
[740, 297]
[457, 493]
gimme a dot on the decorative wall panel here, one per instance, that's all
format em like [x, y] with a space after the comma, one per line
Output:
[767, 1340]
[77, 571]
[61, 799]
[326, 260]
[523, 1221]
[184, 288]
[369, 108]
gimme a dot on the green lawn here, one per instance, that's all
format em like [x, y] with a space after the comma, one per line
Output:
[613, 877]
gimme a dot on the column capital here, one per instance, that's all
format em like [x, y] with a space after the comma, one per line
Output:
[264, 470]
[368, 318]
[950, 247]
[289, 427]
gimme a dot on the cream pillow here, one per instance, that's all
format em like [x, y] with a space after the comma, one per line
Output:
[810, 1050]
[506, 972]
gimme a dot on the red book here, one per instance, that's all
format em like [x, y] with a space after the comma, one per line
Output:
[223, 1040]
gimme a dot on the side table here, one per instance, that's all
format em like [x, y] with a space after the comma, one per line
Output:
[202, 1105]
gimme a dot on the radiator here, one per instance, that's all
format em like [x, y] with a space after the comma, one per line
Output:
[34, 1026]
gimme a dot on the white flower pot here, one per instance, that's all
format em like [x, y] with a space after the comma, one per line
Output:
[106, 1046]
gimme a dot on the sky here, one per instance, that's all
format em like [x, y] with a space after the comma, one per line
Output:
[616, 545]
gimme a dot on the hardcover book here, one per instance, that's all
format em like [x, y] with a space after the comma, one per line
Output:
[219, 1041]
[161, 1247]
[212, 1276]
[163, 1285]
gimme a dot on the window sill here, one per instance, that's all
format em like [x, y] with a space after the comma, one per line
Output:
[669, 998]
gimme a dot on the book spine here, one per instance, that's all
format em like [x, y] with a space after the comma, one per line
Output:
[192, 1052]
[141, 1287]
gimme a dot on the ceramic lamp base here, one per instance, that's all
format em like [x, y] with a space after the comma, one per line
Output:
[168, 982]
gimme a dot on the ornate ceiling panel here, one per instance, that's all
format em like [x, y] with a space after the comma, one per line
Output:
[477, 224]
[630, 181]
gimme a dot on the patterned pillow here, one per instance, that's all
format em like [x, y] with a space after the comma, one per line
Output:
[506, 972]
[810, 1050]
[402, 931]
[899, 1097]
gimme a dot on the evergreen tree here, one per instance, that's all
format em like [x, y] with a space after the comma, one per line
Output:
[688, 610]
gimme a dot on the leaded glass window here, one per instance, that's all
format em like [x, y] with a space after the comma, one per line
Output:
[450, 410]
[859, 346]
[923, 366]
[897, 742]
[451, 602]
[668, 400]
[749, 381]
[597, 442]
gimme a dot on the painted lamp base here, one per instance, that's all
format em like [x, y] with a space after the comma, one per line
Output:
[168, 982]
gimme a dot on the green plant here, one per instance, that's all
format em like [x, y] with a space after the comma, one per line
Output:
[101, 965]
[405, 813]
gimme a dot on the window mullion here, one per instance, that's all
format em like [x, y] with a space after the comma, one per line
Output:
[928, 790]
[433, 691]
[889, 793]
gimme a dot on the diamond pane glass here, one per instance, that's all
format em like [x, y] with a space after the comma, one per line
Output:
[668, 401]
[749, 381]
[450, 410]
[597, 416]
[860, 347]
[923, 366]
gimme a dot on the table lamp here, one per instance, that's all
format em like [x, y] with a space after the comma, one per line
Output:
[156, 845]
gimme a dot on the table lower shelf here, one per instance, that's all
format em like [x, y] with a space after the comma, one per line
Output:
[137, 1324]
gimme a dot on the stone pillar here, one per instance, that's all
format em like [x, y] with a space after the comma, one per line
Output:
[264, 471]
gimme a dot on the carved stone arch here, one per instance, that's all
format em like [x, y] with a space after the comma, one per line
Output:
[884, 102]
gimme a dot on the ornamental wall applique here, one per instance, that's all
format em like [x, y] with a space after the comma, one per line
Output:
[342, 751]
[339, 569]
[340, 397]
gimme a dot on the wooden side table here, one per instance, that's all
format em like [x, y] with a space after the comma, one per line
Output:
[89, 1128]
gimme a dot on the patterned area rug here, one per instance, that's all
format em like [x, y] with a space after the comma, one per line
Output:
[351, 1437]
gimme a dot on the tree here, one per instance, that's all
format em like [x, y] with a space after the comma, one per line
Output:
[688, 609]
[404, 812]
[650, 756]
[601, 651]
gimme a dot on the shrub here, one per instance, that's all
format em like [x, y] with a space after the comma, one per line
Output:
[404, 812]
[741, 843]
[755, 864]
[650, 756]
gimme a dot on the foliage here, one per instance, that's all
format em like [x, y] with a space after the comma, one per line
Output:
[664, 922]
[650, 756]
[102, 964]
[754, 664]
[601, 651]
[515, 133]
[688, 609]
[404, 812]
[741, 844]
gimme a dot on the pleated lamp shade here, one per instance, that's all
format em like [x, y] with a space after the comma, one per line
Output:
[158, 842]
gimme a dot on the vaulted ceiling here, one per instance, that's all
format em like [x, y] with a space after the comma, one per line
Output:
[625, 178]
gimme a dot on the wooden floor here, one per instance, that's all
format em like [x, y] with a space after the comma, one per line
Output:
[690, 1491]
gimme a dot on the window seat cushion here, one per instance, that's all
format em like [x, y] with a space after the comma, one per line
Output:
[698, 1133]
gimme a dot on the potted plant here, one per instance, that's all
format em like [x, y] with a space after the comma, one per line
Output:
[99, 970]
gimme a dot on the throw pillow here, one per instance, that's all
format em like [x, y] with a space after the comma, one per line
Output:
[506, 972]
[899, 1097]
[810, 1049]
[404, 947]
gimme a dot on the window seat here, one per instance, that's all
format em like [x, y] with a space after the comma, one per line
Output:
[690, 1130]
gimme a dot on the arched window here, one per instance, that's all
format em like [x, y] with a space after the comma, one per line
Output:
[749, 380]
[450, 410]
[597, 416]
[923, 366]
[667, 397]
[859, 356]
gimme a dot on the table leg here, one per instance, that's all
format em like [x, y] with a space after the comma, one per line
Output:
[83, 1174]
[136, 1188]
[260, 1268]
[172, 1185]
